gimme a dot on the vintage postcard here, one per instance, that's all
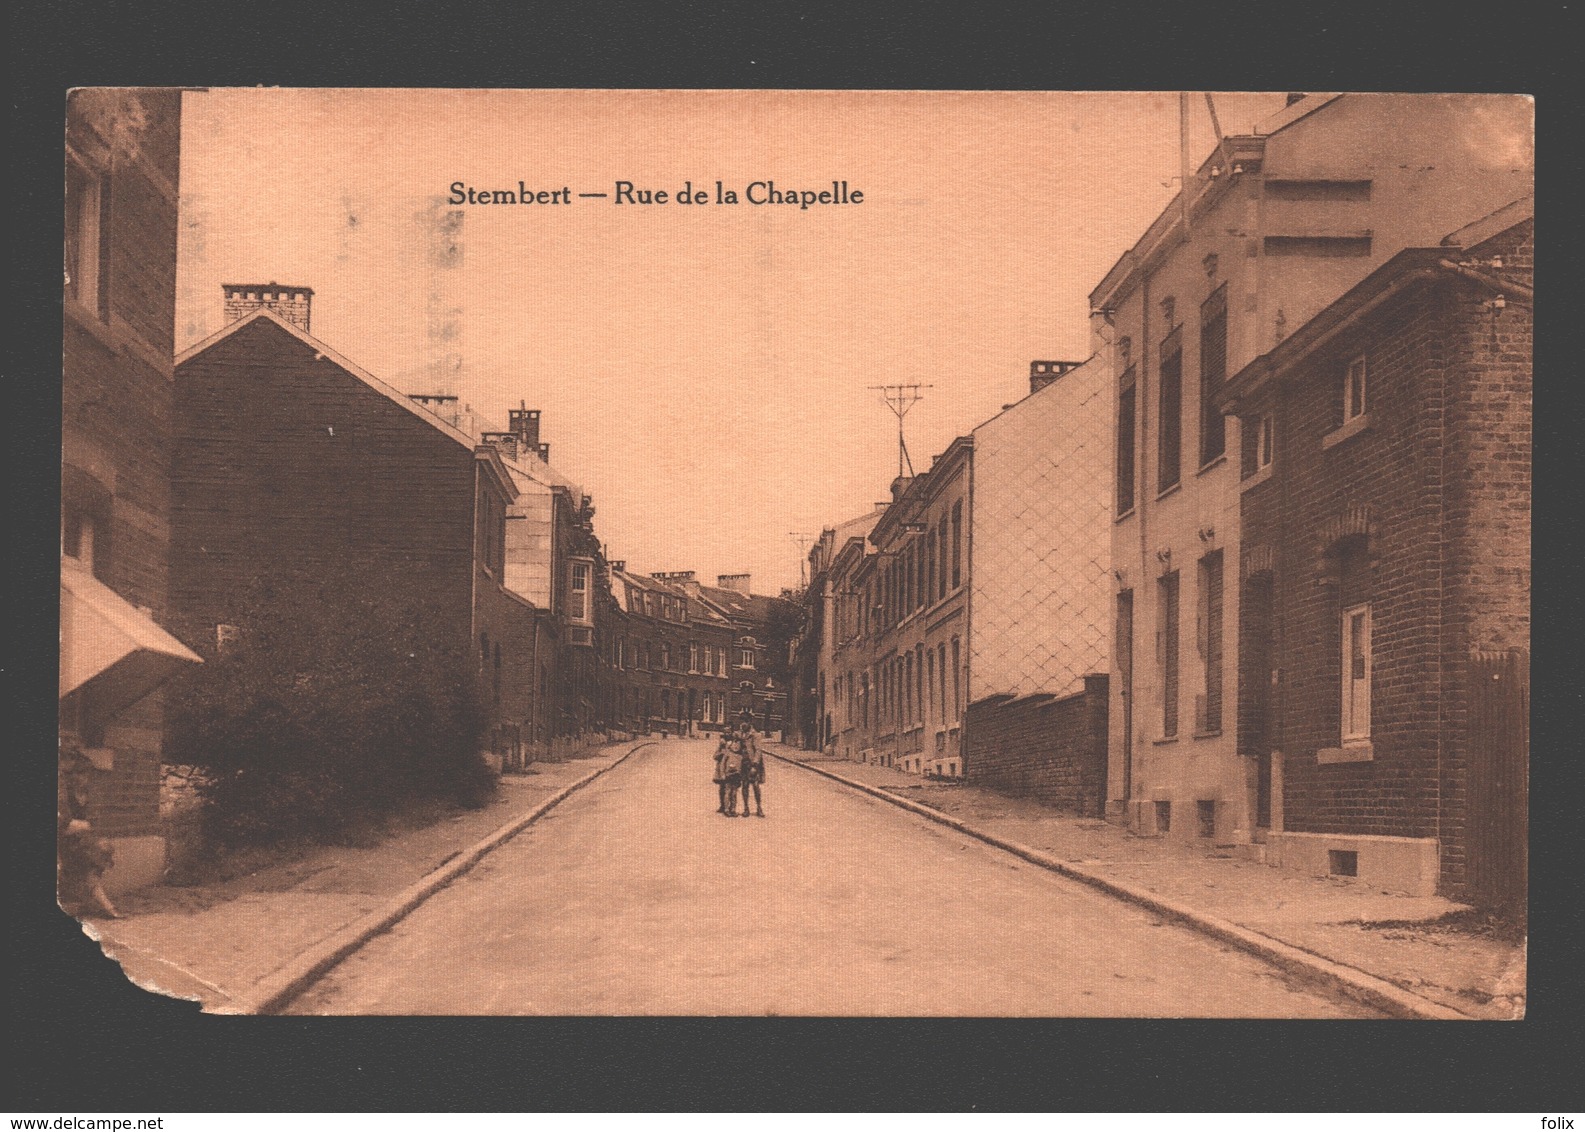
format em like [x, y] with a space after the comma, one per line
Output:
[820, 553]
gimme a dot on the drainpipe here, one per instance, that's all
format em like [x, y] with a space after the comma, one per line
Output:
[1141, 519]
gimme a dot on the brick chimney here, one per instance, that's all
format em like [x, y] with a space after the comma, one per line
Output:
[1042, 374]
[523, 423]
[619, 565]
[738, 582]
[291, 303]
[900, 485]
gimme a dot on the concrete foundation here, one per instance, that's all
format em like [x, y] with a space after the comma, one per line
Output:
[1396, 864]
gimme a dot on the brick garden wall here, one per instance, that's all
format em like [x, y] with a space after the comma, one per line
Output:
[1053, 750]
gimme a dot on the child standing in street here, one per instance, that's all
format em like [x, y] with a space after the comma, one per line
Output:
[753, 772]
[728, 772]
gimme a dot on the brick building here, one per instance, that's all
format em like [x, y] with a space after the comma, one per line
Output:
[122, 166]
[830, 583]
[759, 663]
[672, 654]
[1266, 233]
[969, 631]
[1385, 574]
[290, 459]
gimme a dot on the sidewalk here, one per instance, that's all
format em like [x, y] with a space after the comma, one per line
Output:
[217, 942]
[1399, 939]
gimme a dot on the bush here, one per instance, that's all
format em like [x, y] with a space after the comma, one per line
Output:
[337, 704]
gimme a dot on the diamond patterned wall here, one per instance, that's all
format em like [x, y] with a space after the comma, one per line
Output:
[1041, 544]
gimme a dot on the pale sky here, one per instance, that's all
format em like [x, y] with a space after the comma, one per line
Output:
[702, 370]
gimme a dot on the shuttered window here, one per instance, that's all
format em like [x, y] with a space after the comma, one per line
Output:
[1167, 651]
[1127, 410]
[1169, 441]
[1213, 374]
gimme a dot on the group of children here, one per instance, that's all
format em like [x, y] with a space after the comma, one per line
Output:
[739, 764]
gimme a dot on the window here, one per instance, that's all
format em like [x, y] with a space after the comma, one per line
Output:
[930, 681]
[1167, 651]
[930, 567]
[1265, 436]
[745, 658]
[86, 506]
[1169, 448]
[941, 670]
[957, 686]
[1355, 403]
[1356, 673]
[1213, 373]
[579, 573]
[87, 233]
[665, 656]
[1208, 713]
[957, 544]
[1127, 411]
[693, 656]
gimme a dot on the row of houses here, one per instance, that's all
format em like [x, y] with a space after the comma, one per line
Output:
[691, 658]
[1255, 573]
[261, 456]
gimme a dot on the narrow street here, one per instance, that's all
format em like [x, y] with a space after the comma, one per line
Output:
[636, 897]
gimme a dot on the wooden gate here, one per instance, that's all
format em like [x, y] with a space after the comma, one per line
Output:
[1498, 831]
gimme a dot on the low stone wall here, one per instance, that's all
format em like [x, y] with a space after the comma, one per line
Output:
[1041, 747]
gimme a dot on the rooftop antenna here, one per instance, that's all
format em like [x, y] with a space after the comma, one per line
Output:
[803, 539]
[899, 399]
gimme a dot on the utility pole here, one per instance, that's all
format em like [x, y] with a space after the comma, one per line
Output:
[803, 539]
[899, 399]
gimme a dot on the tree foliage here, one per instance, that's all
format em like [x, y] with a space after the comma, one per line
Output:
[337, 701]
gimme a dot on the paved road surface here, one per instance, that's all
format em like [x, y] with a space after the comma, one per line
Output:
[635, 897]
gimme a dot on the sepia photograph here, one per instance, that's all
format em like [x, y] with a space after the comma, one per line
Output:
[814, 553]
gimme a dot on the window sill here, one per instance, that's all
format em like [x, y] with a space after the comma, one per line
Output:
[1354, 751]
[1164, 740]
[1212, 464]
[1348, 429]
[1217, 734]
[1125, 516]
[1256, 478]
[1166, 491]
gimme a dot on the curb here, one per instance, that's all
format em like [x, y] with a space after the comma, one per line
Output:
[273, 992]
[1349, 981]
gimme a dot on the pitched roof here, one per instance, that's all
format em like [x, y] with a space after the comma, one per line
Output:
[734, 604]
[393, 394]
[524, 465]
